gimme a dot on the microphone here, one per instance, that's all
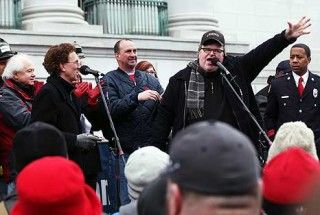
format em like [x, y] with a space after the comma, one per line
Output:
[215, 61]
[85, 70]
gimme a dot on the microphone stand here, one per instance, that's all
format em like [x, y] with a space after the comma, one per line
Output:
[118, 145]
[110, 119]
[224, 72]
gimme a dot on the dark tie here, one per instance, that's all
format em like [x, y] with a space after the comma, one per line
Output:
[300, 86]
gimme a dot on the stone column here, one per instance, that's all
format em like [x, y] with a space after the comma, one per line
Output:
[190, 19]
[55, 16]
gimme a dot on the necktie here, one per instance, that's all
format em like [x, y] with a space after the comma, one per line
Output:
[300, 86]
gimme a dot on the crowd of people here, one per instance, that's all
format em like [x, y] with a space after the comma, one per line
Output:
[189, 149]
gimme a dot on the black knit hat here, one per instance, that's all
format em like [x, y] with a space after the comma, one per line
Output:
[213, 158]
[36, 141]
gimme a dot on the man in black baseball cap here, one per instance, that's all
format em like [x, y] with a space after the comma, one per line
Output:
[213, 169]
[5, 54]
[198, 92]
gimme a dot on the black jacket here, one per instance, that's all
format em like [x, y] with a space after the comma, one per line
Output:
[171, 112]
[55, 104]
[285, 105]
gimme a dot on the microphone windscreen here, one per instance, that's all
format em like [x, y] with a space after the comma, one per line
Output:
[84, 69]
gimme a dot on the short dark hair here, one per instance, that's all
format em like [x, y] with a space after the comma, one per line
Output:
[55, 55]
[116, 47]
[303, 46]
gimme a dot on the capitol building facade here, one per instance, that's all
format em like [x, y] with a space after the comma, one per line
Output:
[166, 32]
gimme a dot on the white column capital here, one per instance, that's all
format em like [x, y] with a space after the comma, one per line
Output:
[55, 16]
[190, 19]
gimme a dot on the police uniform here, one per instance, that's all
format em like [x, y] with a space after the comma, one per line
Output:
[286, 105]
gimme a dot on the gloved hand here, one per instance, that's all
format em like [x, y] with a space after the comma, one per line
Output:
[81, 89]
[93, 95]
[87, 141]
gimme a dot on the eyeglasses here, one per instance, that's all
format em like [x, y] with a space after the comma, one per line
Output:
[209, 50]
[78, 62]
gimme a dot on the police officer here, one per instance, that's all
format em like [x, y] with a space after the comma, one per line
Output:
[295, 96]
[5, 54]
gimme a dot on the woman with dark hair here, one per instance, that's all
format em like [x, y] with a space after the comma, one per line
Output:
[57, 105]
[147, 67]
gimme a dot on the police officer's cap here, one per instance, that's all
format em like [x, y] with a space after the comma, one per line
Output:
[5, 50]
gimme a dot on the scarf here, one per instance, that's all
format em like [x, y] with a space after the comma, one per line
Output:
[195, 96]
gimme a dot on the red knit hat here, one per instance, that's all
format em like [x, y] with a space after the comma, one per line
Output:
[290, 177]
[54, 185]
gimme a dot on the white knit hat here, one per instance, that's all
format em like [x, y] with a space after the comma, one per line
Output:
[293, 134]
[142, 167]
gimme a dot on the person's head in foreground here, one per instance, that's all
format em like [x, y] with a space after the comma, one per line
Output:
[213, 170]
[54, 185]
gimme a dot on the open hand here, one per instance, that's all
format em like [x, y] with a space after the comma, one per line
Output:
[298, 29]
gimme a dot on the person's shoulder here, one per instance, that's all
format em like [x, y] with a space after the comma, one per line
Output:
[110, 73]
[4, 88]
[110, 76]
[49, 91]
[279, 82]
[47, 88]
[183, 74]
[315, 76]
[148, 77]
[6, 91]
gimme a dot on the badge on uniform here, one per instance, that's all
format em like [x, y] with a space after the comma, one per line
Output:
[315, 93]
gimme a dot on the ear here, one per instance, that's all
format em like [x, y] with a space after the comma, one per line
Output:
[62, 67]
[309, 59]
[174, 199]
[116, 55]
[15, 75]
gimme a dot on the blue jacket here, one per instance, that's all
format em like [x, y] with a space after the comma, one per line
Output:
[132, 118]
